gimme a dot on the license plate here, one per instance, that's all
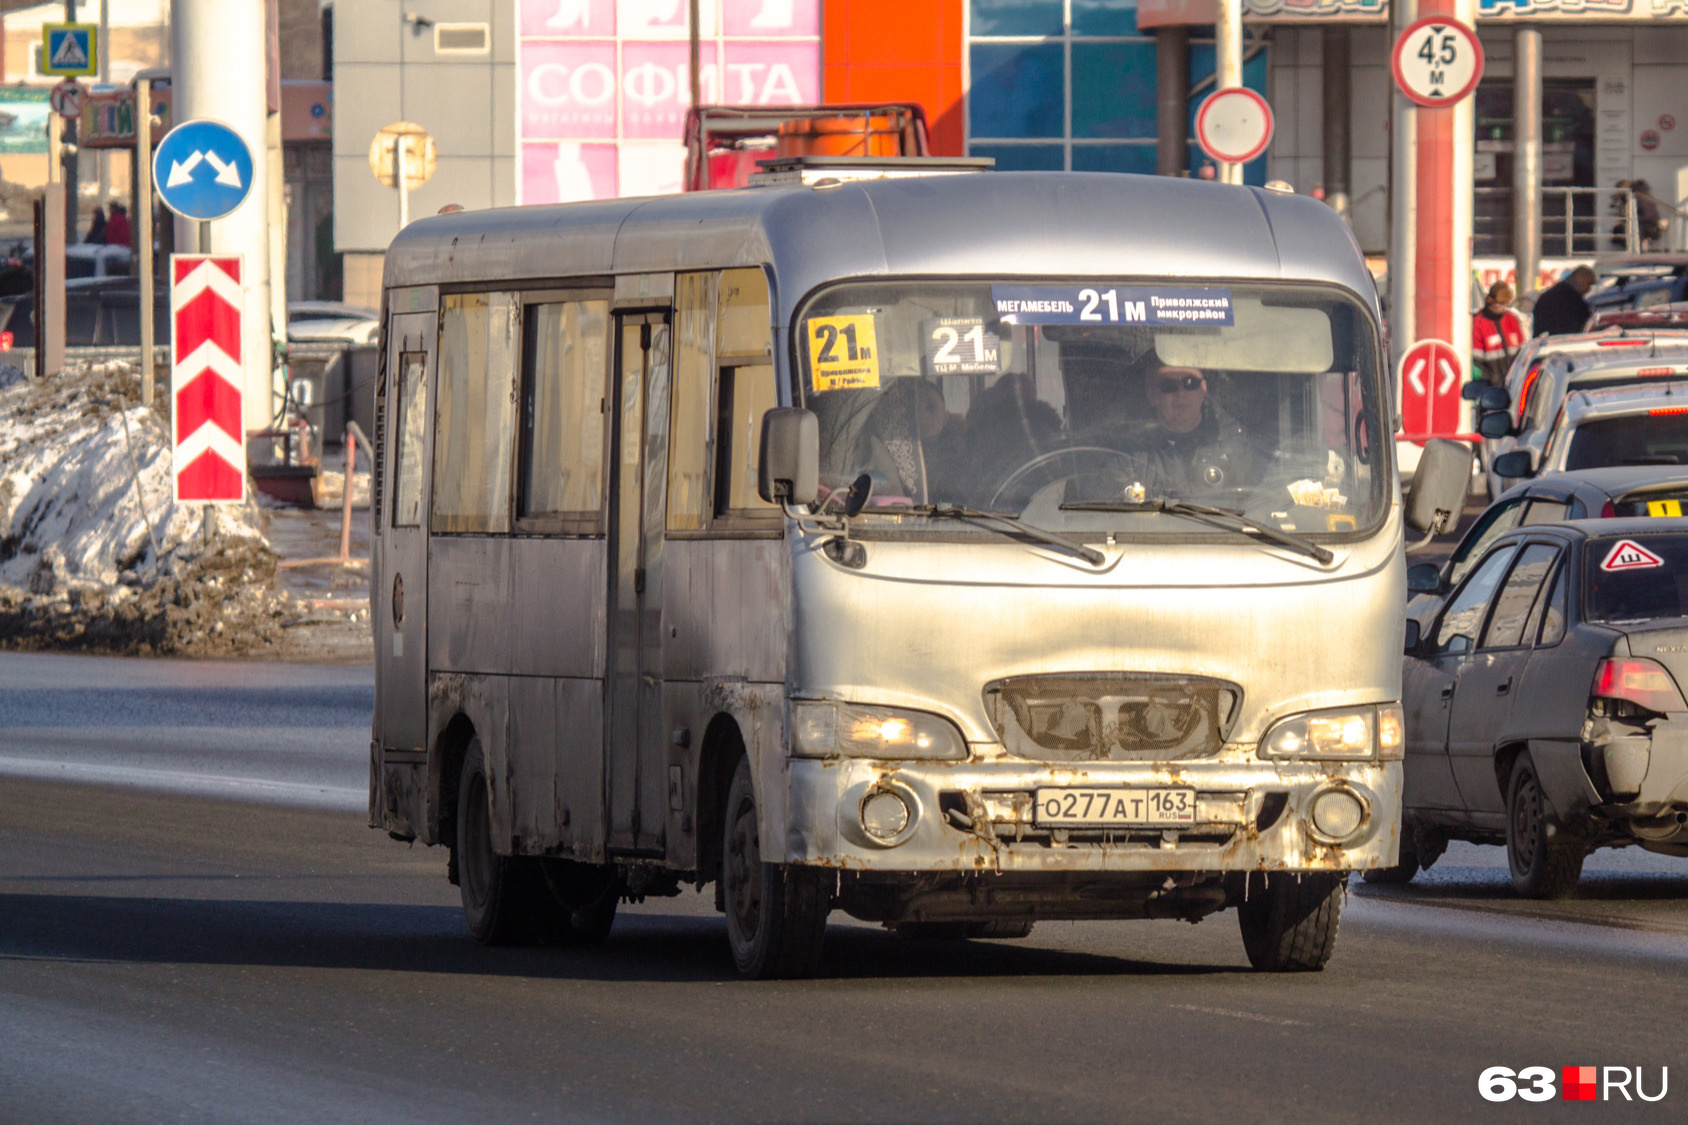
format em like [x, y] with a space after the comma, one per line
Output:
[1061, 807]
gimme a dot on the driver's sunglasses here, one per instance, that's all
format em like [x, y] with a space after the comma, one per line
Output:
[1173, 386]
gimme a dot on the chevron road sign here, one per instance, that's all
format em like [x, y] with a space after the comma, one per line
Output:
[206, 378]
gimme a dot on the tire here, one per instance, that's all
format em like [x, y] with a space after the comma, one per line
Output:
[1405, 868]
[1290, 924]
[505, 899]
[1541, 868]
[776, 913]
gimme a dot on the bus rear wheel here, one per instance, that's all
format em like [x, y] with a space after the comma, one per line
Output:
[776, 913]
[1289, 925]
[505, 899]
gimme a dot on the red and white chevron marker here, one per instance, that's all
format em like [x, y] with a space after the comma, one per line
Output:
[206, 378]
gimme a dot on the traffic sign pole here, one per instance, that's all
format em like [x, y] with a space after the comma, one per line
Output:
[143, 228]
[218, 54]
[1228, 70]
[401, 145]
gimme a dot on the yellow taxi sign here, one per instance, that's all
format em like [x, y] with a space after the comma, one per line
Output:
[843, 352]
[1671, 508]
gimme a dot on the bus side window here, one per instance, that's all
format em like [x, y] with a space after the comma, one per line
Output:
[407, 464]
[691, 403]
[474, 415]
[565, 361]
[747, 393]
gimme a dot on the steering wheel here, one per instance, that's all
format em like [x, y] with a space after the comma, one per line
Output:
[1043, 459]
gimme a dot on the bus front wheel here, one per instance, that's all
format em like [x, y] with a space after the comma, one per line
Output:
[1289, 925]
[776, 913]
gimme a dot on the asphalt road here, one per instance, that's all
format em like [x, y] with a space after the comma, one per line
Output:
[195, 925]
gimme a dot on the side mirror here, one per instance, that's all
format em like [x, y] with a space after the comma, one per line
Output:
[1494, 398]
[1414, 635]
[1495, 424]
[1424, 578]
[789, 469]
[1437, 493]
[1516, 463]
[1473, 389]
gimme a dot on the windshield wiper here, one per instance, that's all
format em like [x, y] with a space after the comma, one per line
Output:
[1218, 517]
[958, 512]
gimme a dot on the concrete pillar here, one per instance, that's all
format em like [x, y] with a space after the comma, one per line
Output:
[1526, 156]
[1228, 70]
[1338, 99]
[1172, 101]
[217, 53]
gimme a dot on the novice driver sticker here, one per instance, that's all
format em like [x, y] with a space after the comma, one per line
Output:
[1630, 555]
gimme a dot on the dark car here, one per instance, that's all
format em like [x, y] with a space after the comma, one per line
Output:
[98, 311]
[1583, 494]
[1544, 706]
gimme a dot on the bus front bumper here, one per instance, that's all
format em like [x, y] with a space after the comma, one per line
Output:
[1250, 815]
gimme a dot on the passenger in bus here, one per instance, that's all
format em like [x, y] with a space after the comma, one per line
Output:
[1007, 426]
[915, 446]
[1191, 443]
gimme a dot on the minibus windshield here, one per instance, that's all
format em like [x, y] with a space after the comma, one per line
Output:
[1076, 406]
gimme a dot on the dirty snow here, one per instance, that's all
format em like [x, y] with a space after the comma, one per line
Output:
[94, 553]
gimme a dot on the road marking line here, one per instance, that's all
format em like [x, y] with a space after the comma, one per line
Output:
[1255, 1016]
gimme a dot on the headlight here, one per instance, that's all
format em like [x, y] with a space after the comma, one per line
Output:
[1355, 733]
[830, 730]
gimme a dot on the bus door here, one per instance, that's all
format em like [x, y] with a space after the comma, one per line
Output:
[401, 595]
[637, 749]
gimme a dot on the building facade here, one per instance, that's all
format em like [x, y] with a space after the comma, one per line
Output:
[534, 101]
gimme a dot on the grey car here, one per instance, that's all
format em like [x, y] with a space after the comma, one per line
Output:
[1520, 416]
[1543, 702]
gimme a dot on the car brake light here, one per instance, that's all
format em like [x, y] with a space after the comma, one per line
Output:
[1622, 343]
[1608, 510]
[1643, 682]
[1655, 412]
[1646, 371]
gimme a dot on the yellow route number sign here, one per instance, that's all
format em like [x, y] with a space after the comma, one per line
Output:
[843, 352]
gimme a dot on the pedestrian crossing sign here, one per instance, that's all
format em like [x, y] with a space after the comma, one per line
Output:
[70, 49]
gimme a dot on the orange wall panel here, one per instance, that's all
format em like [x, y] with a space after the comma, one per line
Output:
[897, 51]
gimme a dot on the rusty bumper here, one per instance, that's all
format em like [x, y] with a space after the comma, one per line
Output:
[1251, 815]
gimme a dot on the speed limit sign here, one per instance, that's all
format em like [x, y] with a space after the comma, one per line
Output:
[1437, 61]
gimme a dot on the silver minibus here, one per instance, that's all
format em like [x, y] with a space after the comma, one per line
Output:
[957, 551]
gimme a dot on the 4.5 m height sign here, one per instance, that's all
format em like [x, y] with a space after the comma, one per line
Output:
[209, 463]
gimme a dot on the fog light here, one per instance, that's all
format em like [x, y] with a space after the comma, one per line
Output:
[1337, 814]
[885, 815]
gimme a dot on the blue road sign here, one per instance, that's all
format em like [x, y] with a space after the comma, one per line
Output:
[70, 49]
[202, 170]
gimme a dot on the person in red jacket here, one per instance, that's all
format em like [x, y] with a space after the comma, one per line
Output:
[1497, 332]
[117, 227]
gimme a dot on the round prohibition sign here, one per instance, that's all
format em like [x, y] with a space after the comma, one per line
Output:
[1437, 61]
[1234, 125]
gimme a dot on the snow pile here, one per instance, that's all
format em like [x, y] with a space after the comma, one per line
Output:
[93, 551]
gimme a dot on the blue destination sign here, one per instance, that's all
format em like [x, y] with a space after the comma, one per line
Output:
[1111, 304]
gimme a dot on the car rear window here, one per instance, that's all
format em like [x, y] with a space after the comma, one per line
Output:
[1659, 438]
[1629, 578]
[1670, 502]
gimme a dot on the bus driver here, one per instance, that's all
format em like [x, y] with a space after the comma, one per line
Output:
[1190, 441]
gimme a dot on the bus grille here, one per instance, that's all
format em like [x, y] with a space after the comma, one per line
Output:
[1119, 717]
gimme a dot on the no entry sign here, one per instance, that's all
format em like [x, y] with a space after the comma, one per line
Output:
[1430, 377]
[1437, 61]
[206, 378]
[1234, 125]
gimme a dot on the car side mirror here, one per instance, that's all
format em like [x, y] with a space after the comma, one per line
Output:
[1437, 493]
[1494, 398]
[1473, 389]
[1415, 635]
[1495, 424]
[1424, 578]
[789, 468]
[1515, 463]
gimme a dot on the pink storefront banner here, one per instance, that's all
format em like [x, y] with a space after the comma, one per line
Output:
[604, 85]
